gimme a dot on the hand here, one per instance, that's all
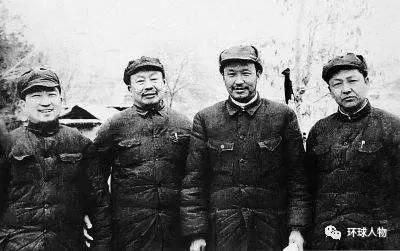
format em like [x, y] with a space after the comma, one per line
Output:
[88, 225]
[295, 237]
[198, 245]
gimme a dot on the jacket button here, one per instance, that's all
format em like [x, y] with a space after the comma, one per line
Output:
[46, 206]
[222, 146]
[345, 143]
[242, 161]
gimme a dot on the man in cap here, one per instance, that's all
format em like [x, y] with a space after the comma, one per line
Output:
[48, 182]
[353, 156]
[244, 185]
[146, 146]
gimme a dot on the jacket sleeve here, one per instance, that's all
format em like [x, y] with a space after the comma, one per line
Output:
[100, 156]
[194, 214]
[4, 166]
[393, 235]
[299, 197]
[98, 203]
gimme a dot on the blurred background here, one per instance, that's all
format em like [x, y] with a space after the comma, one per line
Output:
[89, 43]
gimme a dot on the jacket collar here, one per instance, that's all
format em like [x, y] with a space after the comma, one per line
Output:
[359, 114]
[250, 108]
[44, 129]
[145, 111]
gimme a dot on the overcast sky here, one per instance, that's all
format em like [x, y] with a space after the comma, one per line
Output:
[112, 32]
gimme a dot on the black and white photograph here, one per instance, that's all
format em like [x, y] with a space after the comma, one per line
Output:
[173, 125]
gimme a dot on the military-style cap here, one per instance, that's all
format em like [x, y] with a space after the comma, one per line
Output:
[137, 64]
[348, 61]
[37, 77]
[241, 52]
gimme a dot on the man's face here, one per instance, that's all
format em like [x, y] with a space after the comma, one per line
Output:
[147, 87]
[241, 80]
[349, 88]
[43, 104]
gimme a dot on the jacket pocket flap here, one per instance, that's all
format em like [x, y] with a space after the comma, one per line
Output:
[220, 146]
[369, 146]
[71, 157]
[21, 157]
[179, 136]
[321, 149]
[271, 143]
[129, 143]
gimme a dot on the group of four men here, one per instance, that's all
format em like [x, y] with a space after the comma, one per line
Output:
[237, 179]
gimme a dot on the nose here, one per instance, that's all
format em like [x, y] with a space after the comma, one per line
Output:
[45, 100]
[239, 79]
[346, 88]
[148, 85]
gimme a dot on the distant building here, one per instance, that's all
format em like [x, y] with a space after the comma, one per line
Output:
[88, 118]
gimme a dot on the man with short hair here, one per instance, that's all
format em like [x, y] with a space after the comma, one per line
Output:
[244, 187]
[146, 146]
[47, 182]
[353, 157]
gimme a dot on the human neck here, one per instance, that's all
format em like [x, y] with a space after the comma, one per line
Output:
[242, 104]
[353, 110]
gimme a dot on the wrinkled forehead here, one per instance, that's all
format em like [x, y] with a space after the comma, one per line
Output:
[239, 65]
[346, 73]
[39, 89]
[146, 73]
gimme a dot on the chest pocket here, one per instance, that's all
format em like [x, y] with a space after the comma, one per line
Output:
[369, 153]
[70, 163]
[177, 144]
[328, 158]
[24, 168]
[220, 147]
[128, 152]
[270, 155]
[220, 154]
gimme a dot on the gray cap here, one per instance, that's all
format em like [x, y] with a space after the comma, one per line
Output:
[241, 52]
[137, 64]
[37, 77]
[348, 61]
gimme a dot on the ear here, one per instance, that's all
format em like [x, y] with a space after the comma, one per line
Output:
[258, 73]
[366, 79]
[21, 104]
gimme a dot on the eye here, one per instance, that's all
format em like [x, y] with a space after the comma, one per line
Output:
[336, 84]
[154, 79]
[139, 81]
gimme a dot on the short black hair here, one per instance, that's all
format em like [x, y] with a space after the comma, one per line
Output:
[39, 88]
[145, 68]
[338, 68]
[239, 61]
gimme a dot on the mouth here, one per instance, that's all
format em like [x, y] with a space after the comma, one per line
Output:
[149, 95]
[45, 111]
[349, 98]
[239, 89]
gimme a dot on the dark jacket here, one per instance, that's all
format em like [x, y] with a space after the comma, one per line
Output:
[48, 187]
[147, 152]
[244, 186]
[354, 162]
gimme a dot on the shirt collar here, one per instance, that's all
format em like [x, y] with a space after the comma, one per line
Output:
[145, 111]
[359, 114]
[250, 108]
[44, 129]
